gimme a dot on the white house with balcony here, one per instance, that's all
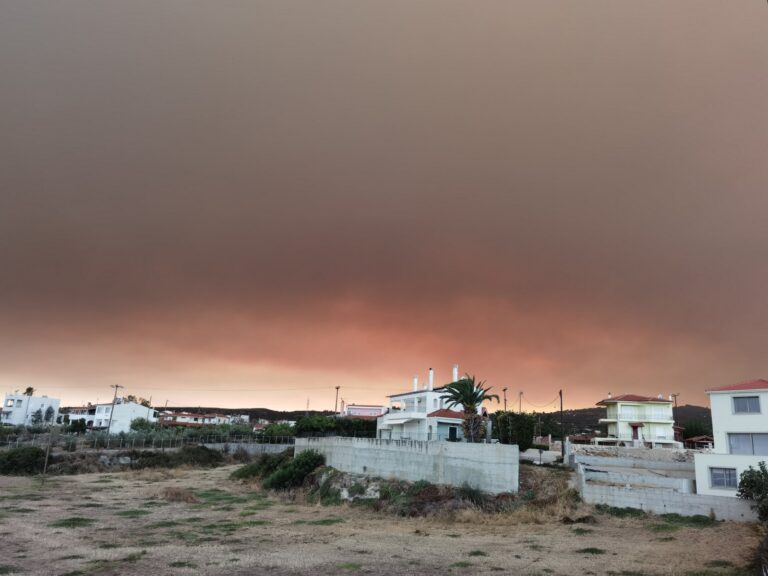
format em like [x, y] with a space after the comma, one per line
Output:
[421, 414]
[638, 421]
[740, 431]
[97, 416]
[20, 409]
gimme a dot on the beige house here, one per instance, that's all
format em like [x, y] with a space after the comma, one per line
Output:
[638, 421]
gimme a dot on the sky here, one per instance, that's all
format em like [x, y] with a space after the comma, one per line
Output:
[249, 203]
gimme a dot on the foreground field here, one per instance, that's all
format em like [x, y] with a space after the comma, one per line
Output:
[199, 522]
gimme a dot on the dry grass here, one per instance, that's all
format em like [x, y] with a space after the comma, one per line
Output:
[175, 494]
[179, 535]
[158, 474]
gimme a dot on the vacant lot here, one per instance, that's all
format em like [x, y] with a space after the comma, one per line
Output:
[200, 522]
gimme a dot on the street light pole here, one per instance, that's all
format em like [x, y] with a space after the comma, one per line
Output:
[336, 403]
[505, 399]
[520, 402]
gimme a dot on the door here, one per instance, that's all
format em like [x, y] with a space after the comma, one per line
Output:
[452, 435]
[634, 433]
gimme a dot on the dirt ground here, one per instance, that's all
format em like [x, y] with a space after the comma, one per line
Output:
[123, 523]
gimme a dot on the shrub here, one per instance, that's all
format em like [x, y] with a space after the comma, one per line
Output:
[264, 465]
[753, 485]
[515, 428]
[23, 460]
[198, 456]
[293, 473]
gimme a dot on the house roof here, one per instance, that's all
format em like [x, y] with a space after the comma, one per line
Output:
[445, 413]
[633, 398]
[758, 384]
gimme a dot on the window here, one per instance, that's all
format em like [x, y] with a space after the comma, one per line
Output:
[723, 477]
[748, 444]
[746, 405]
[19, 403]
[9, 403]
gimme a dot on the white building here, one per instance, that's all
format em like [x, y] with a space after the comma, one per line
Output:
[192, 419]
[740, 430]
[420, 415]
[365, 410]
[97, 416]
[20, 409]
[638, 421]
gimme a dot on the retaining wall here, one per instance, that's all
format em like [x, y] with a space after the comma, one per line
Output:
[664, 501]
[252, 449]
[492, 468]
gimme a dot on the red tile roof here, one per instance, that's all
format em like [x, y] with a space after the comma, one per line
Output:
[633, 398]
[759, 384]
[445, 413]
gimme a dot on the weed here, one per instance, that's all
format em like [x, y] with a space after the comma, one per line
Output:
[135, 557]
[477, 553]
[582, 531]
[461, 564]
[181, 564]
[72, 557]
[697, 521]
[72, 522]
[719, 564]
[356, 489]
[666, 539]
[133, 513]
[593, 551]
[620, 512]
[7, 569]
[325, 521]
[350, 566]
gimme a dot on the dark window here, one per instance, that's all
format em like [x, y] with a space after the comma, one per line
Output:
[723, 477]
[746, 405]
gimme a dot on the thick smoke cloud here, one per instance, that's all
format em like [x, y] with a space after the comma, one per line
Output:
[256, 195]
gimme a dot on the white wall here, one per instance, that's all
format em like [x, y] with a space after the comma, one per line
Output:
[493, 468]
[724, 420]
[706, 461]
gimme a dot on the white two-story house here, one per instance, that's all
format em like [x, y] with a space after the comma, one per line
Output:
[740, 431]
[22, 410]
[114, 419]
[420, 414]
[638, 421]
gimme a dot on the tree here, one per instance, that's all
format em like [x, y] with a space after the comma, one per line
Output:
[279, 429]
[515, 428]
[49, 413]
[470, 395]
[753, 485]
[77, 426]
[141, 425]
[37, 416]
[29, 391]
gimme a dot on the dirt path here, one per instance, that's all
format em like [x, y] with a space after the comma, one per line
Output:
[101, 524]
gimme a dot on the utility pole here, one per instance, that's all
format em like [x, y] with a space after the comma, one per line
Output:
[336, 402]
[674, 396]
[505, 399]
[562, 428]
[112, 411]
[520, 402]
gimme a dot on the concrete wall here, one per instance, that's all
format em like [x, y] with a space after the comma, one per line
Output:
[640, 479]
[668, 501]
[492, 468]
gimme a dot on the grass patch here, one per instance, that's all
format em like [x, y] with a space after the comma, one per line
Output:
[582, 531]
[477, 553]
[620, 512]
[182, 564]
[697, 521]
[350, 566]
[461, 564]
[163, 524]
[593, 551]
[135, 557]
[72, 557]
[133, 513]
[719, 564]
[325, 521]
[666, 539]
[7, 569]
[72, 522]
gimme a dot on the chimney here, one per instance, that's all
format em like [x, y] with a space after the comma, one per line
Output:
[415, 383]
[609, 396]
[455, 373]
[431, 378]
[660, 397]
[670, 397]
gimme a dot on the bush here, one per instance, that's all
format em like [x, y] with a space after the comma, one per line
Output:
[515, 428]
[21, 461]
[753, 485]
[293, 473]
[189, 455]
[265, 465]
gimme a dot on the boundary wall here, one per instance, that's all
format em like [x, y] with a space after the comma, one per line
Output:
[492, 468]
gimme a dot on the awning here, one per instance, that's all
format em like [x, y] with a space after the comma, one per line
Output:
[396, 421]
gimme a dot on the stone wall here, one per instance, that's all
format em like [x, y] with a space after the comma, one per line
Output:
[492, 468]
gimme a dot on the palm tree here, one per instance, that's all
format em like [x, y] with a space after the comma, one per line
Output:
[29, 391]
[470, 395]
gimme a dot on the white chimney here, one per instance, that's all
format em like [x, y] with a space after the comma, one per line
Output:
[670, 397]
[455, 373]
[431, 378]
[660, 397]
[609, 396]
[415, 383]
